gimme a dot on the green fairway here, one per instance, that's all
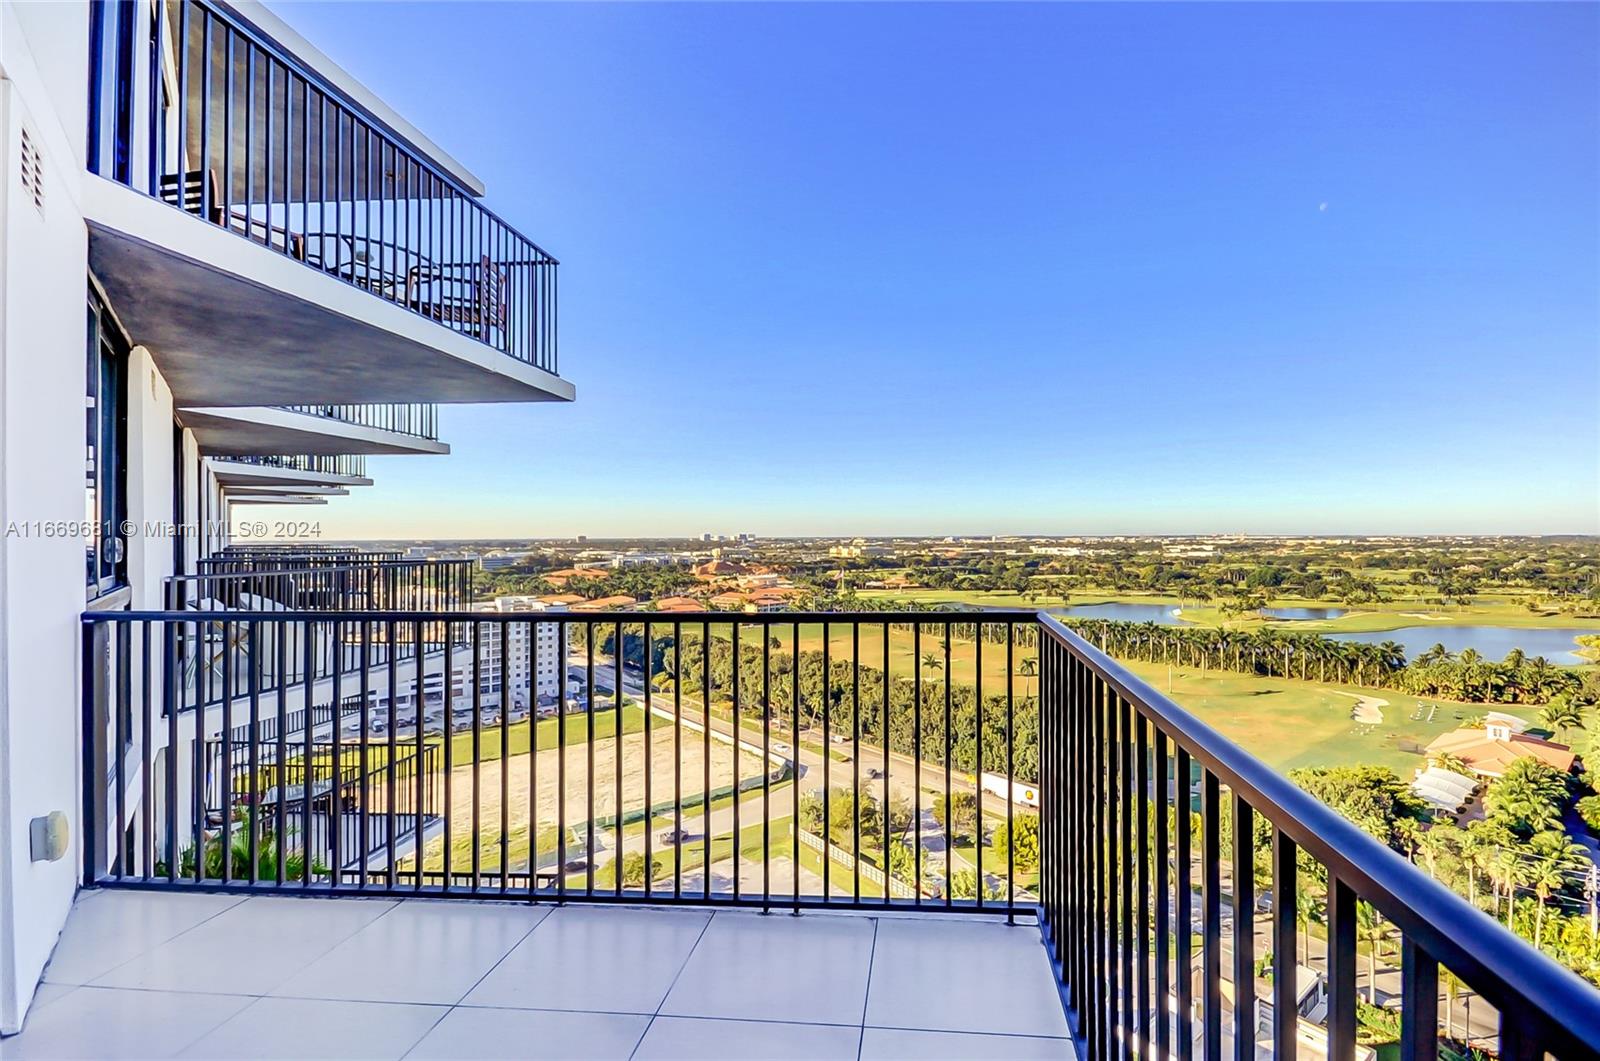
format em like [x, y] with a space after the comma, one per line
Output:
[549, 733]
[1290, 723]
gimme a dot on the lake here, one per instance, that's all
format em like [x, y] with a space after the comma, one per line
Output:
[1165, 614]
[1302, 613]
[1492, 642]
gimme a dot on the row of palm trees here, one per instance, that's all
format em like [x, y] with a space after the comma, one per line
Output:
[1274, 652]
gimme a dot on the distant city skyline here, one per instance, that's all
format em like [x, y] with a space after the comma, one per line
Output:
[952, 269]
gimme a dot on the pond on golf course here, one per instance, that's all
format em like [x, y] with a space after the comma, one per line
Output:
[1558, 645]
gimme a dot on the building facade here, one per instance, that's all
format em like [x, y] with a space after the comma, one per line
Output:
[229, 273]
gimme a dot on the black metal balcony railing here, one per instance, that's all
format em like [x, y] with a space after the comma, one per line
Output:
[243, 134]
[249, 587]
[307, 585]
[266, 556]
[416, 420]
[349, 465]
[793, 761]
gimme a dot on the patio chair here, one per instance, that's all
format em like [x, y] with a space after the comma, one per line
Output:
[466, 294]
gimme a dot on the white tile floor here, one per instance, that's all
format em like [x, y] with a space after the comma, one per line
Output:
[152, 974]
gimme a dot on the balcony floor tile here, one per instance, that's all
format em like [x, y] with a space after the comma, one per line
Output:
[778, 968]
[303, 1027]
[272, 976]
[642, 952]
[248, 949]
[899, 1044]
[963, 976]
[523, 1033]
[424, 951]
[102, 935]
[108, 1023]
[709, 1039]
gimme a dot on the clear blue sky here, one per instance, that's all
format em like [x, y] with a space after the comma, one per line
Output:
[1002, 268]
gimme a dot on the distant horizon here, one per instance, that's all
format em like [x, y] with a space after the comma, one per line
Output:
[727, 538]
[1128, 268]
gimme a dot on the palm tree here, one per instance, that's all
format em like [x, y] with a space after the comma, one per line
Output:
[1370, 928]
[932, 661]
[1545, 878]
[1560, 714]
[1028, 667]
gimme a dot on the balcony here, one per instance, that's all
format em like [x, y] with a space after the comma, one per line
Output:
[144, 974]
[866, 773]
[275, 235]
[274, 478]
[325, 430]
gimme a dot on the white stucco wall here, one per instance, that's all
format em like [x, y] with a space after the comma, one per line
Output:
[43, 264]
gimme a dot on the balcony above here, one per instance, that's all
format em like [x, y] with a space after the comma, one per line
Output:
[273, 239]
[264, 476]
[141, 974]
[316, 429]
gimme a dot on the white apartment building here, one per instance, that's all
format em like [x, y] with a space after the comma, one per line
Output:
[249, 272]
[532, 650]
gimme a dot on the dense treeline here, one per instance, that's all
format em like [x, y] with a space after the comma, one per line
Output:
[828, 699]
[1270, 652]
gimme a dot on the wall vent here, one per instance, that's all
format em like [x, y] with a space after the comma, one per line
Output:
[32, 171]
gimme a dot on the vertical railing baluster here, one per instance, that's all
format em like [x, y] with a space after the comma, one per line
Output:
[147, 848]
[1141, 939]
[794, 753]
[827, 755]
[705, 761]
[855, 760]
[737, 734]
[1341, 968]
[677, 760]
[503, 633]
[1183, 894]
[977, 766]
[616, 748]
[1285, 988]
[1244, 922]
[766, 769]
[649, 754]
[588, 806]
[888, 888]
[916, 751]
[1211, 912]
[561, 760]
[389, 779]
[366, 751]
[1163, 925]
[949, 807]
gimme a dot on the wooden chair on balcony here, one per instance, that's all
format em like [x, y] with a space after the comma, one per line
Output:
[189, 191]
[469, 296]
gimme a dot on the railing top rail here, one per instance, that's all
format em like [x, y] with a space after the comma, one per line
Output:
[318, 569]
[987, 618]
[226, 13]
[1454, 932]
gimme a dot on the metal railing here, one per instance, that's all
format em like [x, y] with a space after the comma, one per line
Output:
[821, 771]
[238, 131]
[1118, 759]
[986, 762]
[349, 465]
[266, 556]
[323, 584]
[402, 418]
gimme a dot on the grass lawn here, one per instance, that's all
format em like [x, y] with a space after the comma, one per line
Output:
[548, 734]
[1290, 723]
